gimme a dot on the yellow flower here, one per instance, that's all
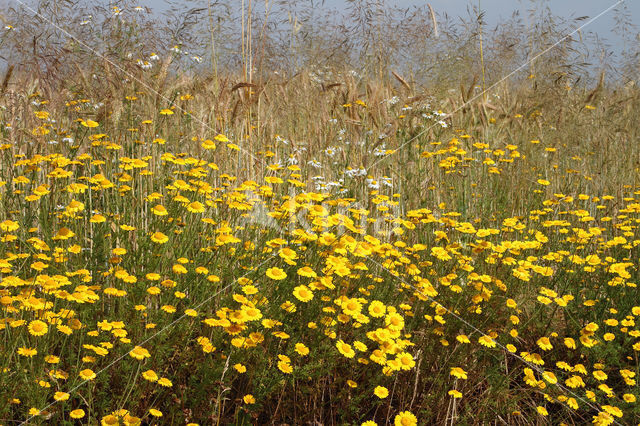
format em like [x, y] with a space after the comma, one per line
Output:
[284, 358]
[179, 269]
[38, 328]
[302, 349]
[159, 237]
[97, 218]
[221, 138]
[570, 343]
[52, 359]
[405, 360]
[276, 273]
[166, 111]
[285, 367]
[377, 309]
[60, 396]
[592, 327]
[307, 272]
[139, 353]
[64, 234]
[612, 410]
[303, 293]
[208, 144]
[165, 382]
[487, 341]
[394, 321]
[463, 338]
[455, 393]
[381, 392]
[9, 226]
[159, 210]
[288, 254]
[359, 346]
[550, 377]
[28, 352]
[119, 251]
[345, 349]
[77, 414]
[195, 207]
[544, 344]
[155, 413]
[405, 418]
[600, 375]
[249, 289]
[351, 307]
[169, 308]
[440, 253]
[202, 270]
[249, 399]
[89, 123]
[109, 420]
[240, 368]
[39, 266]
[150, 375]
[459, 373]
[87, 374]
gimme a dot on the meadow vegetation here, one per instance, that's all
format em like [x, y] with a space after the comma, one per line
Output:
[315, 219]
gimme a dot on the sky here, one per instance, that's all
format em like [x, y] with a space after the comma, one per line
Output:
[496, 10]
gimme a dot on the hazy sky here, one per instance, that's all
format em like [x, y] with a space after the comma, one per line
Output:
[495, 10]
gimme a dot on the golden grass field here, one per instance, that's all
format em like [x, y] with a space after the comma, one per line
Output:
[184, 248]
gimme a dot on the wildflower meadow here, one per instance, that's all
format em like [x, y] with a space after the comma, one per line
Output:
[296, 230]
